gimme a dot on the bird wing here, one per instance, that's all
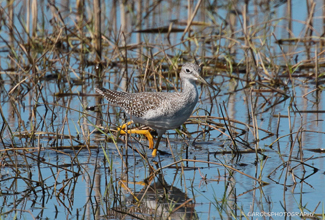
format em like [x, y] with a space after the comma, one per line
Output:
[110, 95]
[137, 104]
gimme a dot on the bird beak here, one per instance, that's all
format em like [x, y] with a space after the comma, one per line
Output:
[201, 80]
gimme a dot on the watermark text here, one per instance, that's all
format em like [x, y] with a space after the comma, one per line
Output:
[279, 214]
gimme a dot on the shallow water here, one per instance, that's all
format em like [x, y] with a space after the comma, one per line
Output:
[66, 168]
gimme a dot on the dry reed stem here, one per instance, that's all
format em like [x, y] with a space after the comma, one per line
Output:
[97, 31]
[191, 17]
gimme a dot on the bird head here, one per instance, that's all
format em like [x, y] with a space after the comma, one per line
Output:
[191, 72]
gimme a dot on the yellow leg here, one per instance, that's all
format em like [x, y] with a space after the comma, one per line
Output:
[154, 152]
[125, 125]
[146, 133]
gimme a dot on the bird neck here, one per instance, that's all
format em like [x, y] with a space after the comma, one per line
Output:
[189, 91]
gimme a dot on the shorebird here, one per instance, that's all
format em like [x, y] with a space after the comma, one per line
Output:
[161, 111]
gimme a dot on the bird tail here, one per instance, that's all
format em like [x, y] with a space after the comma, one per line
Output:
[110, 95]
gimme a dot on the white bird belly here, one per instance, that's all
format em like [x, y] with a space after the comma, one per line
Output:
[160, 120]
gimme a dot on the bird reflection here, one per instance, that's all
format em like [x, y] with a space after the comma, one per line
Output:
[161, 200]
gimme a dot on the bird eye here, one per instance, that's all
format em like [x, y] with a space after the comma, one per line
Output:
[187, 70]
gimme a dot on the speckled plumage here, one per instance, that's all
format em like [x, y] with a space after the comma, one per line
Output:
[160, 110]
[134, 104]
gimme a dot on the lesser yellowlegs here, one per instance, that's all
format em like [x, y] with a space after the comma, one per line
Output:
[159, 110]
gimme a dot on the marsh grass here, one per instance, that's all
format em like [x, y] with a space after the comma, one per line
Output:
[55, 132]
